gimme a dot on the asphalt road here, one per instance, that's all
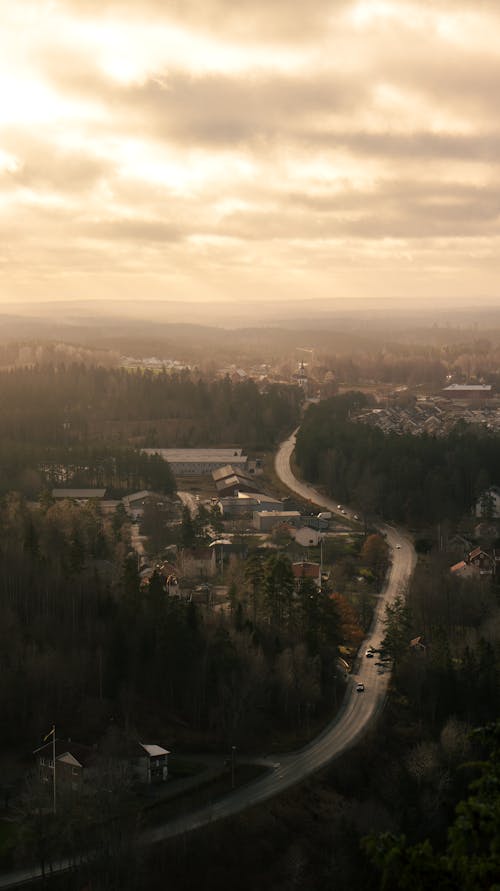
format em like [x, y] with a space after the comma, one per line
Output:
[356, 714]
[358, 709]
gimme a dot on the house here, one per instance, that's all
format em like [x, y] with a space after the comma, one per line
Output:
[72, 759]
[417, 644]
[482, 560]
[477, 563]
[306, 570]
[464, 570]
[148, 762]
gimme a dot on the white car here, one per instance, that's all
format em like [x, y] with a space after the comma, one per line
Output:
[398, 547]
[369, 654]
[360, 688]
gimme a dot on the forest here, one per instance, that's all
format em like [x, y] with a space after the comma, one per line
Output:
[414, 480]
[415, 805]
[83, 641]
[75, 425]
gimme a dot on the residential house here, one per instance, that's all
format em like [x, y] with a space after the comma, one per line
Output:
[464, 570]
[72, 759]
[477, 563]
[306, 570]
[147, 762]
[417, 644]
[482, 560]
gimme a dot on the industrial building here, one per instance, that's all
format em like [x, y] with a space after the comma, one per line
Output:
[187, 462]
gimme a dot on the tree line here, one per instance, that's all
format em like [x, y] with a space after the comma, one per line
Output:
[83, 641]
[83, 426]
[415, 480]
[54, 404]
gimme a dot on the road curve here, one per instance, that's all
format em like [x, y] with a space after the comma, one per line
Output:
[358, 709]
[357, 712]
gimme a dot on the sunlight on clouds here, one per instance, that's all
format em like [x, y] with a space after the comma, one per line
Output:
[407, 111]
[181, 174]
[373, 12]
[130, 52]
[204, 149]
[336, 173]
[8, 163]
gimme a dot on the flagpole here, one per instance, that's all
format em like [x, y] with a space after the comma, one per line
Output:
[54, 762]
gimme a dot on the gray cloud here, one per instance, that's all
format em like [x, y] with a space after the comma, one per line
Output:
[43, 166]
[382, 133]
[136, 230]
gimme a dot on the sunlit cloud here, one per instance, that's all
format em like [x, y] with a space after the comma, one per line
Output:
[243, 151]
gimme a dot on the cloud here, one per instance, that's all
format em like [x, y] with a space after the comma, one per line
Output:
[42, 166]
[276, 21]
[229, 148]
[136, 230]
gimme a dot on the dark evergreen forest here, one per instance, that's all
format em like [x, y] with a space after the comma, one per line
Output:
[82, 426]
[414, 480]
[83, 643]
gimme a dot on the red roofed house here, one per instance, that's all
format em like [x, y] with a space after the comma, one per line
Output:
[307, 570]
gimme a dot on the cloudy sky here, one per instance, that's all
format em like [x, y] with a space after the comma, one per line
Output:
[216, 149]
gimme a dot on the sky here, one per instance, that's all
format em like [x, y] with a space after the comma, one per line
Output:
[201, 150]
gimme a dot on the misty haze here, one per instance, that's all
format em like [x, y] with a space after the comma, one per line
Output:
[249, 445]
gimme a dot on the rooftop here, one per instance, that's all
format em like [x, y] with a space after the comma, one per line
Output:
[78, 493]
[468, 387]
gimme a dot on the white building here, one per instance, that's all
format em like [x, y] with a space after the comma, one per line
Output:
[185, 462]
[266, 520]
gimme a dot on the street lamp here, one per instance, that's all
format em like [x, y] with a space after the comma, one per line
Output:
[233, 759]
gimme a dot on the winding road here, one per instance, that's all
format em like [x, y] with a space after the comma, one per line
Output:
[358, 709]
[351, 722]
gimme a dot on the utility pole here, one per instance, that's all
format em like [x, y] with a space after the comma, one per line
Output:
[233, 759]
[54, 763]
[52, 733]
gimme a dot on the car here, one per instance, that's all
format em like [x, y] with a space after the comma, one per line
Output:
[360, 688]
[342, 511]
[398, 547]
[369, 654]
[356, 517]
[339, 507]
